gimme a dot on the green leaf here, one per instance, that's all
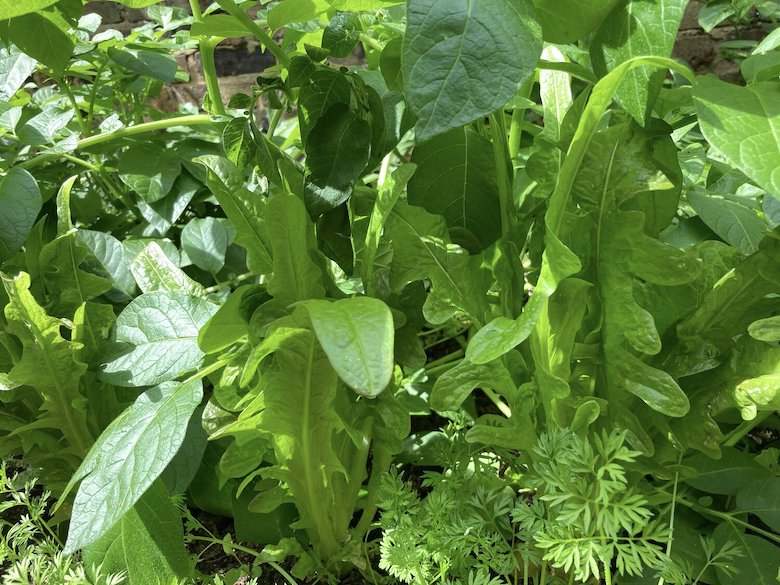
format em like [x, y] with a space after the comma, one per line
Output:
[766, 329]
[295, 11]
[146, 544]
[128, 457]
[456, 178]
[157, 339]
[342, 34]
[49, 364]
[762, 498]
[362, 5]
[296, 276]
[42, 35]
[245, 210]
[324, 89]
[15, 69]
[337, 152]
[154, 271]
[149, 170]
[145, 63]
[111, 260]
[737, 224]
[759, 562]
[10, 8]
[448, 82]
[20, 200]
[565, 21]
[218, 25]
[137, 3]
[162, 214]
[230, 323]
[206, 240]
[238, 143]
[638, 28]
[454, 386]
[727, 476]
[43, 128]
[742, 124]
[357, 336]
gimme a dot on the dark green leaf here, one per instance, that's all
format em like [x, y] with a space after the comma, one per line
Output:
[20, 200]
[149, 170]
[10, 9]
[342, 34]
[737, 224]
[565, 21]
[42, 35]
[448, 81]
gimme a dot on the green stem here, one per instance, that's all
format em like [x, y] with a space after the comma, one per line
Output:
[744, 428]
[250, 25]
[217, 365]
[446, 360]
[729, 518]
[193, 120]
[661, 580]
[93, 97]
[277, 567]
[65, 87]
[500, 404]
[87, 165]
[277, 117]
[379, 467]
[233, 281]
[207, 47]
[516, 126]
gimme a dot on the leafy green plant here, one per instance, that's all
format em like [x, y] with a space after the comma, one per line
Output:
[519, 214]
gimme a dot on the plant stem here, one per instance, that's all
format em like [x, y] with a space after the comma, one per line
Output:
[444, 362]
[379, 467]
[193, 120]
[93, 97]
[248, 551]
[277, 117]
[250, 25]
[72, 99]
[516, 126]
[207, 47]
[661, 580]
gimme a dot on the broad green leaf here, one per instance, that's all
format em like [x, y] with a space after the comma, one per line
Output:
[230, 323]
[742, 124]
[110, 259]
[454, 386]
[761, 393]
[137, 3]
[565, 21]
[10, 8]
[762, 498]
[637, 28]
[555, 93]
[43, 128]
[456, 178]
[149, 170]
[422, 251]
[92, 325]
[146, 544]
[448, 82]
[342, 34]
[154, 271]
[145, 63]
[157, 339]
[206, 240]
[362, 5]
[15, 68]
[41, 35]
[337, 152]
[20, 200]
[759, 562]
[295, 11]
[324, 89]
[245, 210]
[238, 143]
[218, 25]
[162, 214]
[737, 224]
[296, 277]
[728, 475]
[357, 336]
[128, 457]
[48, 364]
[766, 329]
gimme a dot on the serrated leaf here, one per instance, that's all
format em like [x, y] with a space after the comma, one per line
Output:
[357, 336]
[20, 200]
[456, 178]
[149, 170]
[447, 80]
[146, 544]
[245, 210]
[743, 125]
[206, 240]
[154, 271]
[48, 364]
[128, 457]
[157, 339]
[638, 28]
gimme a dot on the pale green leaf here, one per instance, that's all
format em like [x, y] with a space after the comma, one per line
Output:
[357, 336]
[149, 170]
[128, 457]
[157, 339]
[742, 124]
[737, 224]
[205, 240]
[154, 271]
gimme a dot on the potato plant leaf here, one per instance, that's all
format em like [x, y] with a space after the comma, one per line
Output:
[20, 200]
[157, 339]
[147, 543]
[128, 457]
[447, 80]
[357, 336]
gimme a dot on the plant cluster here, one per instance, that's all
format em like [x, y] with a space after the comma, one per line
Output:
[520, 215]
